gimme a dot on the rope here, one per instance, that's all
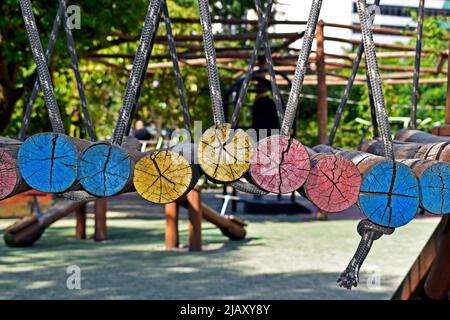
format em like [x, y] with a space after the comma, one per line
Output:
[42, 66]
[415, 92]
[348, 89]
[76, 70]
[137, 72]
[211, 65]
[144, 72]
[300, 70]
[176, 69]
[375, 79]
[251, 64]
[35, 90]
[263, 23]
[61, 15]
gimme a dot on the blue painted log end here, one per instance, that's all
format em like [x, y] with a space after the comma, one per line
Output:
[48, 162]
[435, 189]
[105, 169]
[389, 194]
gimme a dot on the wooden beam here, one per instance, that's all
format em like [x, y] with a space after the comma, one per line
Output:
[322, 103]
[379, 30]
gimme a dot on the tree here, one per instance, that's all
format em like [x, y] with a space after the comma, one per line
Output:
[102, 24]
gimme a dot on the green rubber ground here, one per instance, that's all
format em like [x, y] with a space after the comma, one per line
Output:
[284, 257]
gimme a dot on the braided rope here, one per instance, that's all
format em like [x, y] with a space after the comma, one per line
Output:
[263, 23]
[300, 70]
[42, 66]
[61, 15]
[348, 89]
[76, 70]
[176, 68]
[137, 71]
[375, 79]
[211, 65]
[251, 64]
[35, 90]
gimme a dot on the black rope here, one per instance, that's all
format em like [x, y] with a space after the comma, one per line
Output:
[176, 69]
[253, 57]
[60, 16]
[263, 23]
[138, 71]
[415, 90]
[76, 70]
[35, 90]
[42, 66]
[348, 89]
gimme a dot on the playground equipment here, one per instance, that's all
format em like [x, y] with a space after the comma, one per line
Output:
[27, 231]
[175, 172]
[12, 180]
[231, 226]
[424, 279]
[48, 161]
[224, 154]
[281, 163]
[389, 180]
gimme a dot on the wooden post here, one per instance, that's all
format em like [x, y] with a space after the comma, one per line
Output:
[195, 220]
[445, 129]
[447, 109]
[172, 238]
[80, 229]
[322, 105]
[100, 220]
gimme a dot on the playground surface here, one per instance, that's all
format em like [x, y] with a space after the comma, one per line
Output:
[283, 257]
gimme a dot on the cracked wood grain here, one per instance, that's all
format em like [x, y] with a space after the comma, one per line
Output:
[333, 183]
[224, 154]
[163, 176]
[11, 182]
[48, 162]
[280, 164]
[105, 169]
[389, 194]
[434, 183]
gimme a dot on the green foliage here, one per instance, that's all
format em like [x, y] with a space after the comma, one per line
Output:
[105, 29]
[105, 26]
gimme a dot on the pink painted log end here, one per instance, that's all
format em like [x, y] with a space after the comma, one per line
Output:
[280, 164]
[9, 174]
[333, 184]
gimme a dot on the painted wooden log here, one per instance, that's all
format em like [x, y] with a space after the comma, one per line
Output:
[412, 150]
[106, 170]
[333, 183]
[434, 179]
[410, 135]
[48, 162]
[11, 182]
[280, 165]
[224, 154]
[28, 230]
[389, 194]
[164, 176]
